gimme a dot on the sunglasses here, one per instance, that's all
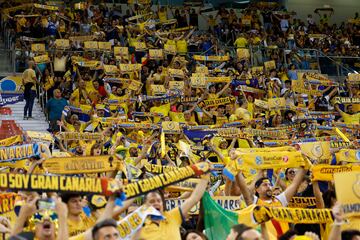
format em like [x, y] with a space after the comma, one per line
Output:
[41, 216]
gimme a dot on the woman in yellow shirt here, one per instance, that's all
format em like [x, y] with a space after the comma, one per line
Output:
[169, 228]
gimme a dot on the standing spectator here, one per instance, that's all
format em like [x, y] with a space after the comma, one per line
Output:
[29, 83]
[54, 107]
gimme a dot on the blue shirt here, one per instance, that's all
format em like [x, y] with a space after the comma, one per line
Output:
[55, 108]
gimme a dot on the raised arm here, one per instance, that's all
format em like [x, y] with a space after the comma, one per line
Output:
[196, 195]
[292, 188]
[247, 194]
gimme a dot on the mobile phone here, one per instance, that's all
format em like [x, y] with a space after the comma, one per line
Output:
[45, 204]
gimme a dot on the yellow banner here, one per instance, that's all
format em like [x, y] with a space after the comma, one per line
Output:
[154, 168]
[91, 45]
[216, 102]
[38, 47]
[211, 58]
[270, 65]
[354, 77]
[266, 133]
[82, 38]
[156, 53]
[325, 172]
[78, 165]
[111, 70]
[198, 82]
[261, 104]
[293, 215]
[157, 89]
[40, 136]
[121, 51]
[347, 186]
[257, 70]
[139, 46]
[7, 202]
[270, 160]
[202, 69]
[67, 136]
[105, 46]
[319, 151]
[176, 85]
[62, 43]
[170, 127]
[168, 178]
[277, 103]
[302, 202]
[135, 85]
[11, 141]
[42, 59]
[46, 7]
[348, 155]
[230, 203]
[176, 72]
[347, 100]
[130, 67]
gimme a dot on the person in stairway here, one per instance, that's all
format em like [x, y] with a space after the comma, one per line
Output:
[54, 108]
[29, 84]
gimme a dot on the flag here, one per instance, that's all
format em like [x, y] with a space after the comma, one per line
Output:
[214, 214]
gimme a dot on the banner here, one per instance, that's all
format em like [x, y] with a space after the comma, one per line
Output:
[346, 100]
[176, 72]
[263, 160]
[156, 54]
[46, 7]
[176, 85]
[211, 58]
[60, 184]
[295, 215]
[216, 102]
[8, 154]
[130, 67]
[11, 141]
[143, 186]
[7, 202]
[324, 172]
[82, 38]
[41, 59]
[348, 155]
[261, 104]
[299, 87]
[104, 46]
[230, 203]
[71, 136]
[170, 49]
[202, 69]
[111, 70]
[170, 127]
[157, 169]
[266, 133]
[302, 202]
[62, 43]
[129, 225]
[354, 77]
[92, 45]
[40, 136]
[157, 89]
[319, 151]
[250, 89]
[198, 82]
[276, 103]
[79, 165]
[10, 98]
[347, 187]
[38, 47]
[269, 65]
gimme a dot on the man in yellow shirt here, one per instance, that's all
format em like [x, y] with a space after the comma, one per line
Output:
[29, 83]
[158, 108]
[350, 117]
[169, 228]
[241, 41]
[77, 221]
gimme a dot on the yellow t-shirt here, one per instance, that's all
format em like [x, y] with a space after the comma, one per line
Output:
[119, 98]
[164, 109]
[76, 228]
[350, 119]
[166, 229]
[240, 42]
[78, 101]
[162, 16]
[177, 117]
[181, 46]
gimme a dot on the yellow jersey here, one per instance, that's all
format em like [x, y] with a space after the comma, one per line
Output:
[166, 229]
